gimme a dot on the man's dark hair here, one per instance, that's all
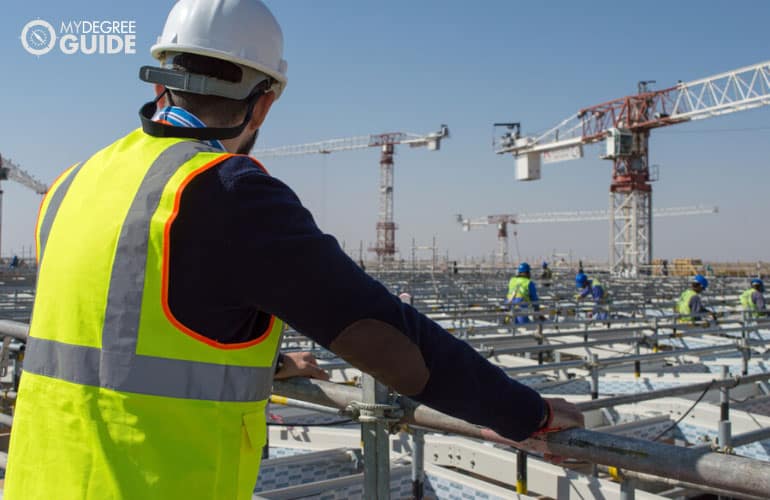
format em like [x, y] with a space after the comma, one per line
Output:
[216, 111]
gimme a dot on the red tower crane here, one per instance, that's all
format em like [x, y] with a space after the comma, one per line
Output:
[625, 125]
[386, 227]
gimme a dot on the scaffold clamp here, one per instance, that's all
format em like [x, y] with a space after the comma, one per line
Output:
[372, 413]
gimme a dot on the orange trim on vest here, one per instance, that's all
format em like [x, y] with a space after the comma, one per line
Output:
[40, 209]
[165, 269]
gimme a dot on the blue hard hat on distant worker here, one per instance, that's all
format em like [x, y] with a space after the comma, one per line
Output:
[581, 279]
[523, 268]
[757, 281]
[701, 280]
[545, 264]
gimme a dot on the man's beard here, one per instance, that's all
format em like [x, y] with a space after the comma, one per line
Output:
[247, 146]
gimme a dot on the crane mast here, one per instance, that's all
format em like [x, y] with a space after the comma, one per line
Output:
[625, 124]
[10, 171]
[385, 248]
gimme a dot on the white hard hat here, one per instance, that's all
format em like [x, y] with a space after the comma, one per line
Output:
[243, 32]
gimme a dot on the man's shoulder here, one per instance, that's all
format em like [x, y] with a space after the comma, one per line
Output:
[242, 171]
[243, 165]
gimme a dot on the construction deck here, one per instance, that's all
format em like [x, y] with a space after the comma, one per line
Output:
[640, 375]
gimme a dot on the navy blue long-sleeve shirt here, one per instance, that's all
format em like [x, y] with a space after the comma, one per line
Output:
[243, 246]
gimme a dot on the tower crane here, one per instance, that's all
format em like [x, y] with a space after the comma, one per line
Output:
[502, 220]
[625, 124]
[386, 227]
[10, 171]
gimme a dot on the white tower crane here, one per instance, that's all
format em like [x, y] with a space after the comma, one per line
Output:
[502, 220]
[10, 171]
[386, 227]
[625, 125]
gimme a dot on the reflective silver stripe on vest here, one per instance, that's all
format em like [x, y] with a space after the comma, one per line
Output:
[148, 375]
[53, 208]
[116, 365]
[124, 298]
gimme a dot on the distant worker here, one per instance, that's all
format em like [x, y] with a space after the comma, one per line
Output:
[690, 306]
[14, 262]
[593, 287]
[522, 294]
[148, 379]
[546, 274]
[752, 300]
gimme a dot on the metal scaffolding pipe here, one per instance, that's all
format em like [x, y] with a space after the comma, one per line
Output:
[726, 472]
[740, 439]
[649, 478]
[671, 391]
[14, 329]
[750, 437]
[540, 348]
[6, 419]
[280, 400]
[619, 360]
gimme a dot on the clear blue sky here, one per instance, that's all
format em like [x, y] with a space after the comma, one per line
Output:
[368, 67]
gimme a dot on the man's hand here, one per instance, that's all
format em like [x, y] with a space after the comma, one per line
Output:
[564, 415]
[300, 364]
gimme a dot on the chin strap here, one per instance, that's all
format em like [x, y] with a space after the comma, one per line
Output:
[158, 129]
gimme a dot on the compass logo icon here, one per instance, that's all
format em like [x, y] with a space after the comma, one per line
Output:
[38, 37]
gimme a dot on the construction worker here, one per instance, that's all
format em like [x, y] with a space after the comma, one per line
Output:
[149, 377]
[690, 306]
[752, 300]
[594, 288]
[522, 294]
[546, 274]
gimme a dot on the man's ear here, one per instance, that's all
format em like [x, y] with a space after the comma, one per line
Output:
[159, 89]
[261, 108]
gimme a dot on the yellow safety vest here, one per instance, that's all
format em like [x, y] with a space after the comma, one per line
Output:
[119, 400]
[683, 305]
[606, 296]
[518, 288]
[747, 302]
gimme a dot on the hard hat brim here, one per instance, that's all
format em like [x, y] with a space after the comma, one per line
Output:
[160, 50]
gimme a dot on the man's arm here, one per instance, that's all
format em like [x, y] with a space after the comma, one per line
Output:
[288, 268]
[759, 301]
[697, 309]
